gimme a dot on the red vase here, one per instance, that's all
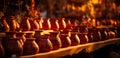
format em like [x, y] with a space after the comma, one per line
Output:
[33, 24]
[74, 39]
[37, 35]
[25, 24]
[2, 51]
[83, 38]
[45, 44]
[104, 33]
[40, 21]
[65, 40]
[21, 36]
[90, 36]
[62, 24]
[29, 34]
[68, 24]
[55, 40]
[96, 34]
[54, 24]
[46, 24]
[13, 47]
[82, 29]
[13, 24]
[30, 47]
[5, 24]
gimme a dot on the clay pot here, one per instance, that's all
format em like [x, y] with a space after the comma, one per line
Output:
[25, 24]
[5, 25]
[40, 21]
[30, 47]
[54, 24]
[33, 24]
[55, 40]
[45, 44]
[21, 36]
[62, 23]
[82, 29]
[68, 24]
[29, 34]
[37, 35]
[46, 24]
[104, 33]
[65, 40]
[90, 36]
[83, 38]
[95, 33]
[74, 39]
[2, 51]
[13, 47]
[13, 24]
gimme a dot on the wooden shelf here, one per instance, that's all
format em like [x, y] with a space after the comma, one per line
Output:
[89, 47]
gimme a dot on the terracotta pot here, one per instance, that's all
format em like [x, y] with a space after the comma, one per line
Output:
[54, 24]
[104, 33]
[21, 36]
[25, 24]
[40, 21]
[83, 38]
[46, 24]
[37, 35]
[75, 28]
[65, 40]
[2, 51]
[96, 34]
[68, 24]
[29, 34]
[45, 44]
[33, 24]
[90, 36]
[13, 47]
[13, 24]
[62, 24]
[82, 29]
[5, 25]
[30, 47]
[111, 34]
[55, 40]
[74, 39]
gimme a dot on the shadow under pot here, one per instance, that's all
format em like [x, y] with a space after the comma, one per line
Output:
[30, 47]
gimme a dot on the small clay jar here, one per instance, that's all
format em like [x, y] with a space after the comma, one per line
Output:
[45, 44]
[95, 33]
[30, 47]
[25, 24]
[62, 23]
[65, 40]
[13, 47]
[54, 24]
[37, 35]
[46, 24]
[2, 51]
[55, 40]
[21, 36]
[74, 39]
[83, 38]
[29, 34]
